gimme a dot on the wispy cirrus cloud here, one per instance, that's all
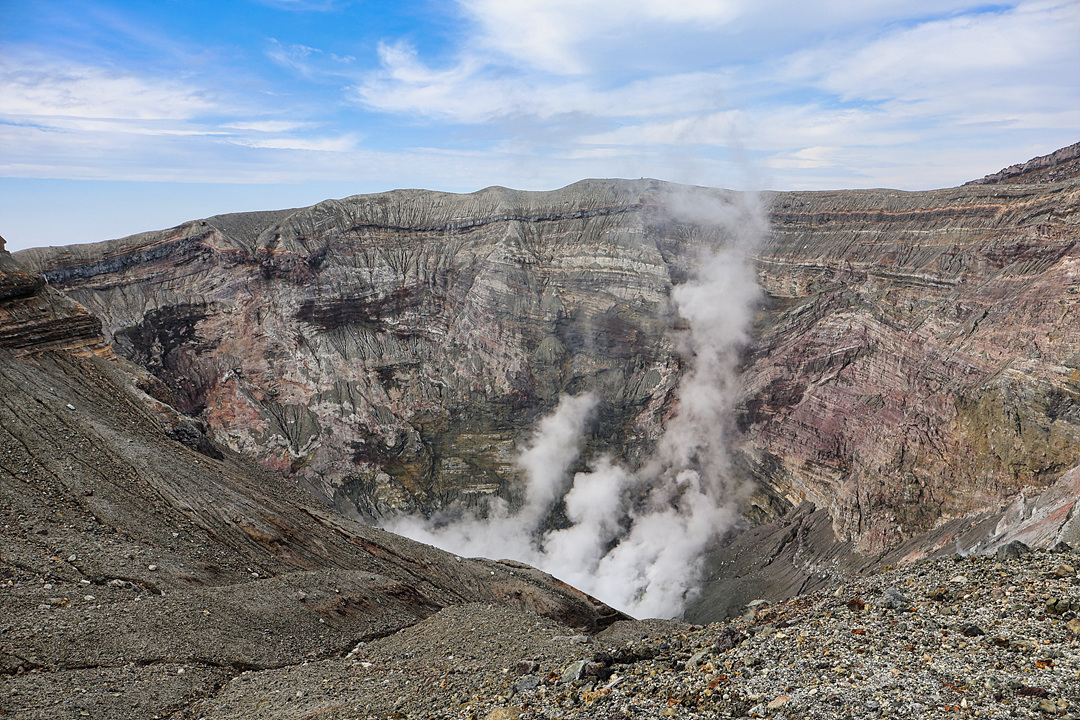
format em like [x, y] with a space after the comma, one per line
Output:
[472, 92]
[341, 144]
[41, 89]
[310, 63]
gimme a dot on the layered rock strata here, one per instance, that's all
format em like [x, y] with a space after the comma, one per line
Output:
[914, 363]
[920, 357]
[1059, 165]
[390, 351]
[31, 319]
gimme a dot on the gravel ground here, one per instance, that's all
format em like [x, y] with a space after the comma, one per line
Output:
[982, 636]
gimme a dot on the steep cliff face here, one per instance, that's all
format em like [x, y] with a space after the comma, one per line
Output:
[921, 356]
[915, 360]
[389, 351]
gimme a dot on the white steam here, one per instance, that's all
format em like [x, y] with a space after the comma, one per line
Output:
[636, 538]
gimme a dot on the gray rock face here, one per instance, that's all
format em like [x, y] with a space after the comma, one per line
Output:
[390, 351]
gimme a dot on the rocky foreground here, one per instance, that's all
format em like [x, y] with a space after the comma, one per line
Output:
[981, 636]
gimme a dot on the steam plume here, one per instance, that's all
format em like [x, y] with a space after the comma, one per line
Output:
[636, 537]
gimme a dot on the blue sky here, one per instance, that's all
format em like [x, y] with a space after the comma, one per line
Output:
[119, 117]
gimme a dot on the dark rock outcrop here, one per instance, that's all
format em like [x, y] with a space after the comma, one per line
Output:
[32, 319]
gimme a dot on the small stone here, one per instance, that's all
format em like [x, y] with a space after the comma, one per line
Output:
[1073, 627]
[604, 657]
[151, 567]
[503, 713]
[524, 667]
[1062, 547]
[696, 659]
[939, 594]
[594, 669]
[893, 599]
[729, 637]
[528, 684]
[1064, 570]
[574, 671]
[971, 631]
[1048, 706]
[779, 702]
[70, 406]
[1029, 691]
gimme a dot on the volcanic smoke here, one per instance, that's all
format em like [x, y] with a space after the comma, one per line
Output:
[636, 536]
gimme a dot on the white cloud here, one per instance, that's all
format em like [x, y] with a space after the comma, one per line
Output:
[712, 128]
[560, 36]
[541, 93]
[34, 90]
[269, 126]
[471, 92]
[952, 61]
[316, 144]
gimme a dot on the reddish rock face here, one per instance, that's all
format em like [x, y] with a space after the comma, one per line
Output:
[916, 358]
[921, 356]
